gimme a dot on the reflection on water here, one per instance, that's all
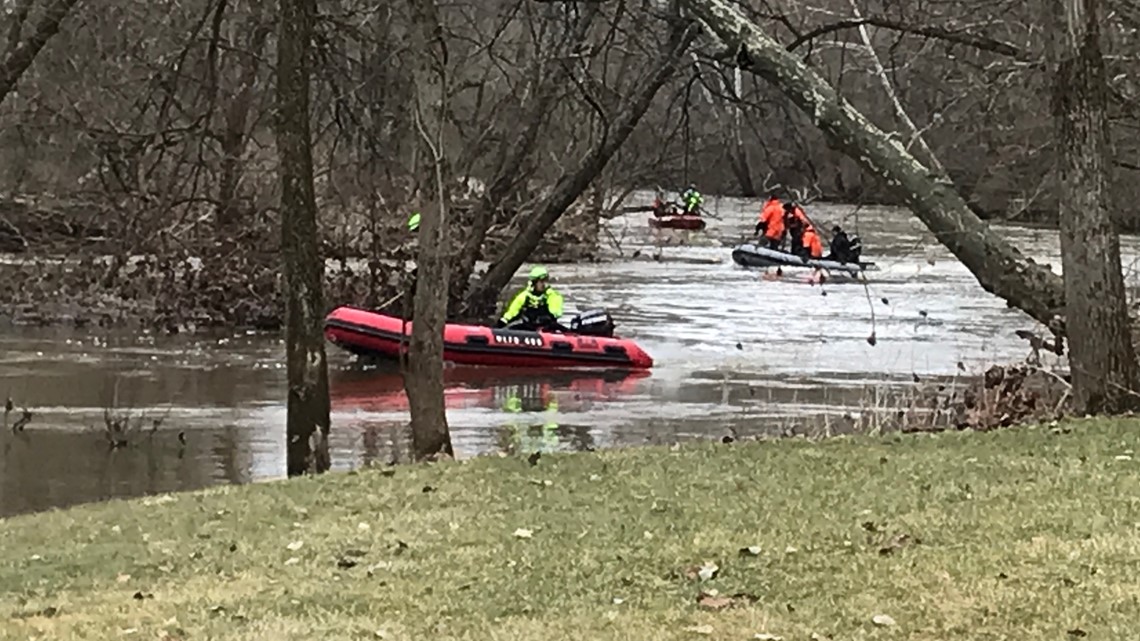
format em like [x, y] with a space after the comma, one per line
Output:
[735, 353]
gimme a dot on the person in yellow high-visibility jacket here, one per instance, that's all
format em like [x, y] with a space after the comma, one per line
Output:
[537, 306]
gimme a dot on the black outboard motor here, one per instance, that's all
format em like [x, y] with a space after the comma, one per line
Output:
[595, 322]
[855, 248]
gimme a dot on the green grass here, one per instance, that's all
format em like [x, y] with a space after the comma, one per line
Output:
[1019, 534]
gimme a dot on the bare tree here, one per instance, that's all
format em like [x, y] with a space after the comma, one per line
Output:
[618, 127]
[424, 377]
[1101, 356]
[999, 267]
[308, 405]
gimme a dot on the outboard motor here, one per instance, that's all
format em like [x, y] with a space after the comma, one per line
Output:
[855, 248]
[595, 322]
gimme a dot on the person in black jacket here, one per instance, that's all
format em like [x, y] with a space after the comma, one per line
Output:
[844, 248]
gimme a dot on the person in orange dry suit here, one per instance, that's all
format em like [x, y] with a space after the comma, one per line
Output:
[771, 223]
[805, 240]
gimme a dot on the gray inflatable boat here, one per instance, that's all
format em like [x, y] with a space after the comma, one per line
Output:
[753, 255]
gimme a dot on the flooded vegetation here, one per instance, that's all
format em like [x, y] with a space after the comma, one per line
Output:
[738, 353]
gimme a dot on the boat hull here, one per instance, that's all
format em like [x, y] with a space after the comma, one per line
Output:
[679, 221]
[379, 335]
[752, 255]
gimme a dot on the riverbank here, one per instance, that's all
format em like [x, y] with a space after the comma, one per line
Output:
[78, 264]
[1026, 533]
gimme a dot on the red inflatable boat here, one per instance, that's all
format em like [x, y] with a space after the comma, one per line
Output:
[368, 333]
[679, 221]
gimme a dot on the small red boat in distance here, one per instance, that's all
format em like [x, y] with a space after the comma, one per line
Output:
[368, 333]
[667, 215]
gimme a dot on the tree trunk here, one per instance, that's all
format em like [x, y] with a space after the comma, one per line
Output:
[570, 187]
[423, 379]
[738, 157]
[308, 407]
[1101, 356]
[20, 56]
[235, 122]
[998, 266]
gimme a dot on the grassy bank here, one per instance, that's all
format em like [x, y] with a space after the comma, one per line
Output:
[1025, 534]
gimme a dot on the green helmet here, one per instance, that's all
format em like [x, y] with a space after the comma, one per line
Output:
[538, 273]
[414, 221]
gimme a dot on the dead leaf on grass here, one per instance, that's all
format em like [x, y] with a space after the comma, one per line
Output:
[883, 620]
[708, 571]
[295, 545]
[705, 572]
[123, 578]
[752, 550]
[764, 636]
[896, 542]
[713, 600]
[700, 629]
[710, 602]
[523, 533]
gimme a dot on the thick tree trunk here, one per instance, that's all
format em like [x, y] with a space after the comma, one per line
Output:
[571, 186]
[423, 379]
[21, 55]
[308, 405]
[999, 267]
[741, 165]
[1101, 356]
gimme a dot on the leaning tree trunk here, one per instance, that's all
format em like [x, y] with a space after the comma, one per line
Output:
[1101, 356]
[570, 187]
[21, 52]
[308, 406]
[999, 267]
[423, 379]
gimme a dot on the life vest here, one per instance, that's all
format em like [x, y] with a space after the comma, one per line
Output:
[535, 301]
[811, 243]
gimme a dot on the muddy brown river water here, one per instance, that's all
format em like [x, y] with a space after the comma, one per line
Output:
[735, 353]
